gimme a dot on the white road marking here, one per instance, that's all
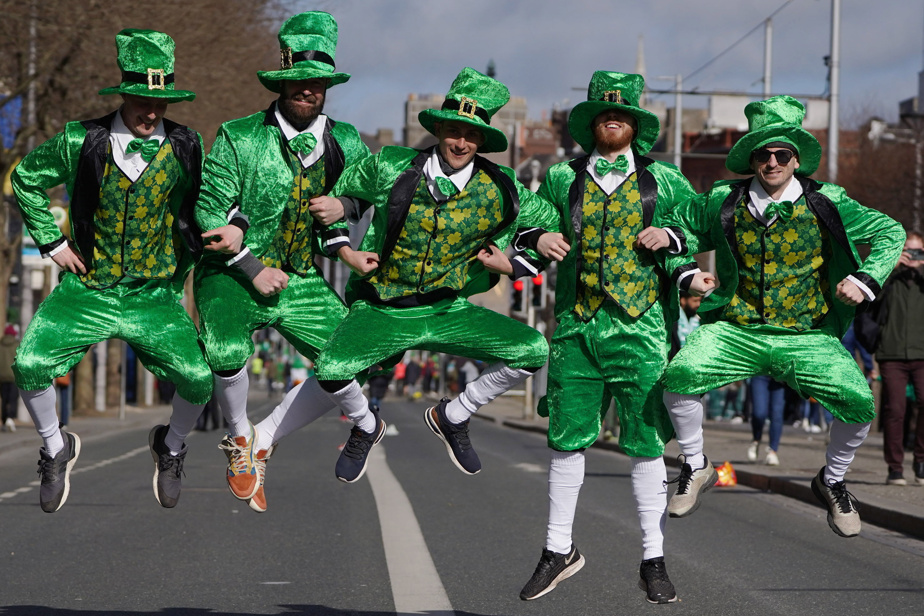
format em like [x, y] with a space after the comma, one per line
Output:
[77, 470]
[415, 584]
[529, 467]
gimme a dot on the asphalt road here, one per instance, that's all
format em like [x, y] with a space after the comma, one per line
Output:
[414, 536]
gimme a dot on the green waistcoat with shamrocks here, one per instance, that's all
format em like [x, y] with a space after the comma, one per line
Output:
[291, 248]
[611, 266]
[135, 237]
[440, 241]
[783, 277]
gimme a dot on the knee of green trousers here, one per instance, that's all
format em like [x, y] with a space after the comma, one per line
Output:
[196, 385]
[229, 353]
[533, 353]
[32, 371]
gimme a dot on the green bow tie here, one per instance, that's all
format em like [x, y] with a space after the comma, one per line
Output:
[783, 209]
[620, 164]
[303, 143]
[446, 186]
[147, 147]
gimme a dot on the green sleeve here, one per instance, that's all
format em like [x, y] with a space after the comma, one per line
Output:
[221, 183]
[692, 218]
[49, 165]
[863, 225]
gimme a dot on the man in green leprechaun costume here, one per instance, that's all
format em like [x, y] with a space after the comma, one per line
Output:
[789, 278]
[258, 201]
[614, 303]
[442, 218]
[133, 177]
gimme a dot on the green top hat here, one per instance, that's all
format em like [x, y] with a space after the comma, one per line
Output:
[473, 98]
[146, 60]
[775, 119]
[307, 46]
[609, 90]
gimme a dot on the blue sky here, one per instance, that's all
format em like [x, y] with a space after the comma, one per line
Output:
[544, 49]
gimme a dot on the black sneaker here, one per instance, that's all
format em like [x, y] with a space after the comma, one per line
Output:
[918, 468]
[896, 478]
[552, 569]
[351, 465]
[168, 469]
[455, 437]
[654, 581]
[56, 473]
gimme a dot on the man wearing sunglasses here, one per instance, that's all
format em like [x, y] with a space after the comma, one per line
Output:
[788, 280]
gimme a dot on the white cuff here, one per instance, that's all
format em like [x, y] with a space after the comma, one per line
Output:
[55, 250]
[238, 256]
[675, 249]
[870, 296]
[687, 273]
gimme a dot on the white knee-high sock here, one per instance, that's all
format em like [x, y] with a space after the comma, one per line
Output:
[303, 404]
[494, 381]
[687, 416]
[182, 421]
[231, 394]
[41, 406]
[354, 404]
[650, 491]
[845, 439]
[566, 476]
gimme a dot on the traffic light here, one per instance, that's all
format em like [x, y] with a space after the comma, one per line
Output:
[538, 291]
[516, 300]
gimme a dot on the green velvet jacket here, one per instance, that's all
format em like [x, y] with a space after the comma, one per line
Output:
[247, 174]
[707, 221]
[662, 187]
[387, 181]
[76, 157]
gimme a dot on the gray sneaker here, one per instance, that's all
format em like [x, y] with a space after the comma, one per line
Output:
[690, 485]
[843, 514]
[56, 473]
[168, 469]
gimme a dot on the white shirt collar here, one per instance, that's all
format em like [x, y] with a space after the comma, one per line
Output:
[760, 199]
[132, 165]
[432, 170]
[613, 179]
[316, 128]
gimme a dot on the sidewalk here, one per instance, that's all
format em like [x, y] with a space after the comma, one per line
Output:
[89, 426]
[801, 455]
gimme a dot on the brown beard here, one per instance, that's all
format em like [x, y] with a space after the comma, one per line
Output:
[298, 117]
[610, 141]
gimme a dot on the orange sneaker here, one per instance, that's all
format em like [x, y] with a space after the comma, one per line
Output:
[258, 502]
[242, 472]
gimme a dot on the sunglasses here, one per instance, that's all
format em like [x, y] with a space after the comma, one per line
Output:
[782, 156]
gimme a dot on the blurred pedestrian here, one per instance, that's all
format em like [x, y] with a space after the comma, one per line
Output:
[9, 395]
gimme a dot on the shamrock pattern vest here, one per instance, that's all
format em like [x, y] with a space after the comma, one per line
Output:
[783, 277]
[291, 248]
[135, 237]
[611, 267]
[440, 241]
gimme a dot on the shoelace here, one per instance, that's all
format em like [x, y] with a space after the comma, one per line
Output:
[656, 572]
[236, 456]
[170, 464]
[261, 464]
[47, 469]
[683, 480]
[844, 499]
[359, 443]
[459, 432]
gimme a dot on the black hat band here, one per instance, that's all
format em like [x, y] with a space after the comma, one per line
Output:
[467, 108]
[155, 78]
[287, 59]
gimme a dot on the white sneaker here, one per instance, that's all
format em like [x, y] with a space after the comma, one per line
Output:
[752, 451]
[10, 424]
[816, 429]
[772, 458]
